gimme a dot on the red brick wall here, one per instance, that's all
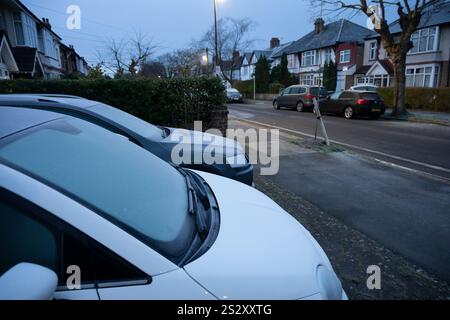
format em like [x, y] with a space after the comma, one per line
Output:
[353, 53]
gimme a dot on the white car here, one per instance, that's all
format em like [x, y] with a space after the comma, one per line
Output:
[87, 214]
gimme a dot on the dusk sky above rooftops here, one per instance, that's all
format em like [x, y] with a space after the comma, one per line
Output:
[174, 24]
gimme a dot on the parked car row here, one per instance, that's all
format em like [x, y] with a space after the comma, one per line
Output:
[86, 188]
[359, 101]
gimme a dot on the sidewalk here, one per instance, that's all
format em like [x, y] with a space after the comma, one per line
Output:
[355, 208]
[442, 118]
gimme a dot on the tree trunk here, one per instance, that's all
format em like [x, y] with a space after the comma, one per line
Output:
[400, 88]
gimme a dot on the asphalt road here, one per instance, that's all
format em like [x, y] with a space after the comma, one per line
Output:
[406, 211]
[424, 147]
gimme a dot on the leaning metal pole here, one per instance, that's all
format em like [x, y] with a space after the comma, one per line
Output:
[320, 119]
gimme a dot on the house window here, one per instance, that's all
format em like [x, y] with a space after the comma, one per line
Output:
[308, 58]
[30, 31]
[292, 61]
[345, 56]
[19, 29]
[328, 55]
[424, 40]
[307, 80]
[373, 50]
[379, 80]
[422, 76]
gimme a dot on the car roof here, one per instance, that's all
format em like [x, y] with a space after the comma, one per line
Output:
[38, 99]
[15, 119]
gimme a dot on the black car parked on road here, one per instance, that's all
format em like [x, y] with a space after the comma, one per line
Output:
[158, 140]
[299, 97]
[354, 103]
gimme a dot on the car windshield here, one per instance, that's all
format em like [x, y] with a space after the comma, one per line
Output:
[122, 182]
[323, 92]
[129, 121]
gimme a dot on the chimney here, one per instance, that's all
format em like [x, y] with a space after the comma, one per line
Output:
[274, 42]
[236, 55]
[319, 25]
[46, 23]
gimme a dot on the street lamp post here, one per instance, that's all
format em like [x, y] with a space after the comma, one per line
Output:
[216, 43]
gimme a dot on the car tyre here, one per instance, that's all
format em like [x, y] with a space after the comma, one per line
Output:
[349, 113]
[375, 116]
[276, 106]
[300, 106]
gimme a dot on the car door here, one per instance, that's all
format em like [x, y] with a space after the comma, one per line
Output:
[283, 97]
[347, 98]
[331, 104]
[30, 234]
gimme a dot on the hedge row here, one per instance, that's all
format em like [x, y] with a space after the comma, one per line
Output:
[246, 87]
[173, 102]
[430, 99]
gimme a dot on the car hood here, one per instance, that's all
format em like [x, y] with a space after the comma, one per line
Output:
[227, 147]
[261, 251]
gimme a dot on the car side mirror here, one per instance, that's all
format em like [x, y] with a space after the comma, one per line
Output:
[28, 281]
[328, 97]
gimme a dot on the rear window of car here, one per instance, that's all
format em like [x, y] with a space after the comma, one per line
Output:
[370, 96]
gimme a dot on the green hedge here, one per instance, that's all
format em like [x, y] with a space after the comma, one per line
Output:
[246, 87]
[430, 99]
[172, 102]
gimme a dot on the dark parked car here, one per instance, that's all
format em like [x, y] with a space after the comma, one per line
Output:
[299, 97]
[354, 103]
[233, 95]
[157, 140]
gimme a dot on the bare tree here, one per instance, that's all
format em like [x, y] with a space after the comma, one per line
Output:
[181, 63]
[233, 35]
[127, 56]
[152, 69]
[409, 12]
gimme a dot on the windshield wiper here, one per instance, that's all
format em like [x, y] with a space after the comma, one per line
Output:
[201, 189]
[193, 209]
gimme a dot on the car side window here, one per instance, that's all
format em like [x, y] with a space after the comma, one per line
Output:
[347, 95]
[29, 234]
[336, 95]
[24, 239]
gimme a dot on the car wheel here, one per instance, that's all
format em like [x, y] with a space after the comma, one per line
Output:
[300, 106]
[375, 116]
[276, 105]
[348, 113]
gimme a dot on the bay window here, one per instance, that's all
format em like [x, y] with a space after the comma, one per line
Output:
[307, 79]
[425, 40]
[20, 39]
[422, 76]
[308, 58]
[25, 29]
